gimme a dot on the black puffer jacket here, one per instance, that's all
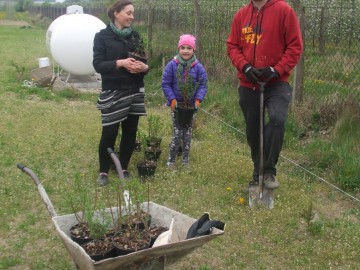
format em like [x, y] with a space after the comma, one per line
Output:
[108, 47]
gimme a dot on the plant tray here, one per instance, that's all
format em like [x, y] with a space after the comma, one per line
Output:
[153, 258]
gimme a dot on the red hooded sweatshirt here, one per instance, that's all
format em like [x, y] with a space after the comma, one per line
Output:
[269, 36]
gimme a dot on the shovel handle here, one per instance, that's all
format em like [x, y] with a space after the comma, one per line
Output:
[261, 161]
[40, 188]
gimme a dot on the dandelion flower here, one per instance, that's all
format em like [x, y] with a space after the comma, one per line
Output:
[241, 200]
[228, 188]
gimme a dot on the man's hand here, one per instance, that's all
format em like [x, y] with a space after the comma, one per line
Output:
[251, 73]
[269, 73]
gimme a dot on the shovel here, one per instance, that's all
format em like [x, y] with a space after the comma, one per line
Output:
[258, 194]
[120, 173]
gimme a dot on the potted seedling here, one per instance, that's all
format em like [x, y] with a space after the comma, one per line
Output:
[81, 205]
[139, 50]
[101, 247]
[154, 131]
[185, 110]
[138, 141]
[134, 235]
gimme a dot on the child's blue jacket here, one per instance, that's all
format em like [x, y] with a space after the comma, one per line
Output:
[169, 82]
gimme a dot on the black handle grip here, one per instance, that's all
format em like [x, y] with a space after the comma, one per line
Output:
[20, 166]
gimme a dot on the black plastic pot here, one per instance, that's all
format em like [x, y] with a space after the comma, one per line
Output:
[138, 57]
[152, 153]
[100, 255]
[77, 238]
[137, 147]
[146, 168]
[153, 142]
[184, 116]
[121, 250]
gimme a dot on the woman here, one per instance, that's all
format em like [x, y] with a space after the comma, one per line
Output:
[121, 100]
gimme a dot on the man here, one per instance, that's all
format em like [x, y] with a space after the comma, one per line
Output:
[265, 44]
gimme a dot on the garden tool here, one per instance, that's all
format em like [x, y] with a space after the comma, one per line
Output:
[257, 193]
[120, 173]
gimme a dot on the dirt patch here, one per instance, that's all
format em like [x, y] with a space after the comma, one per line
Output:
[14, 23]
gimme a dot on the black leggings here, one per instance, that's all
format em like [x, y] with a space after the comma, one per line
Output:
[127, 142]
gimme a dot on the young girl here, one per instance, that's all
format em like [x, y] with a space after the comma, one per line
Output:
[184, 71]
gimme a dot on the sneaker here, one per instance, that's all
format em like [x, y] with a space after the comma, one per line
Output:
[102, 179]
[126, 174]
[186, 167]
[254, 182]
[270, 181]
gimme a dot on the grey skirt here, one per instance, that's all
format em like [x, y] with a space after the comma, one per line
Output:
[116, 105]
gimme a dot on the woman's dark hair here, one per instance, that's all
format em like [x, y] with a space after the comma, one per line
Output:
[117, 6]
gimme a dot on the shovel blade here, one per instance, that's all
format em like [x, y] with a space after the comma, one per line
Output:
[266, 198]
[254, 196]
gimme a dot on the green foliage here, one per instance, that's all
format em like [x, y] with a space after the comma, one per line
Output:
[308, 213]
[20, 70]
[99, 223]
[81, 202]
[154, 126]
[317, 227]
[7, 263]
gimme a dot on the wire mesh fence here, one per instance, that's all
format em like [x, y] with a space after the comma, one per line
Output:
[331, 67]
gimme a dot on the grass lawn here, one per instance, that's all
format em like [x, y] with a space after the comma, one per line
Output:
[58, 139]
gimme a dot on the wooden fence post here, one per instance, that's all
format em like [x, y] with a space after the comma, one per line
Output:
[150, 27]
[197, 27]
[298, 85]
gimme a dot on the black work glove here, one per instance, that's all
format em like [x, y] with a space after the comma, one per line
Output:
[269, 73]
[251, 73]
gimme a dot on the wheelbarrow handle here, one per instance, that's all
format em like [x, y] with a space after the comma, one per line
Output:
[116, 162]
[40, 188]
[119, 170]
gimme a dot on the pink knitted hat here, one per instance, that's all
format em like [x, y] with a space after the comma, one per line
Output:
[187, 40]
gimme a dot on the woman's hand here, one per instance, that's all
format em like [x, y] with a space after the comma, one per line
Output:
[132, 65]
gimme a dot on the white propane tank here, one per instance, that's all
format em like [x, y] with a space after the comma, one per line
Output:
[69, 40]
[74, 9]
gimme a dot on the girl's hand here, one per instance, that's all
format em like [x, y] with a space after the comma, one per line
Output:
[173, 105]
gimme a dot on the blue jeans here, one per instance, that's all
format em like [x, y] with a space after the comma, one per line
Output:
[277, 97]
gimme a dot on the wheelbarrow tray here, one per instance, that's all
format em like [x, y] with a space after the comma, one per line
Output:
[151, 258]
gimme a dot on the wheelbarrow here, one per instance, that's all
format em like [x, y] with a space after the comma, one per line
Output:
[148, 259]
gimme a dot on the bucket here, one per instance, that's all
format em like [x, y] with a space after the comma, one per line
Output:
[43, 62]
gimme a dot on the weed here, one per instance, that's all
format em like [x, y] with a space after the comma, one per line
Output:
[317, 227]
[308, 213]
[20, 70]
